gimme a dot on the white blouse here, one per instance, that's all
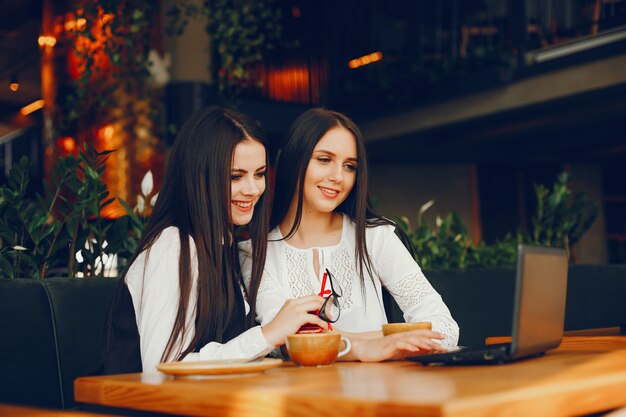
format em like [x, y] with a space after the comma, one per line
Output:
[289, 273]
[153, 286]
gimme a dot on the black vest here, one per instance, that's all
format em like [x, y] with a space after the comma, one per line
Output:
[122, 354]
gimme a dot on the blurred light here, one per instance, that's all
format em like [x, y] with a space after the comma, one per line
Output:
[291, 84]
[107, 17]
[296, 12]
[106, 135]
[32, 107]
[78, 24]
[46, 40]
[365, 59]
[15, 85]
[584, 44]
[67, 144]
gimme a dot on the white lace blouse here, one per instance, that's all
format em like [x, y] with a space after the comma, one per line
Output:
[289, 273]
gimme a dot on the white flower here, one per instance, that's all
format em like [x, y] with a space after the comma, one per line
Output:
[141, 204]
[438, 221]
[426, 206]
[153, 200]
[147, 184]
[159, 67]
[18, 247]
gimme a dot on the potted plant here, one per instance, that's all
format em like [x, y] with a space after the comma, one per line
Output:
[42, 235]
[477, 281]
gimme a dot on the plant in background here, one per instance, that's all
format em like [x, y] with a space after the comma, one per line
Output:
[100, 239]
[109, 93]
[445, 247]
[501, 253]
[560, 220]
[42, 236]
[562, 217]
[242, 32]
[140, 213]
[111, 45]
[27, 237]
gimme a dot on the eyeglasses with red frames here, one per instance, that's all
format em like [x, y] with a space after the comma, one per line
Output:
[330, 310]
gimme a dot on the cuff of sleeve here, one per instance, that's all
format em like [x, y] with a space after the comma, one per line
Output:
[260, 345]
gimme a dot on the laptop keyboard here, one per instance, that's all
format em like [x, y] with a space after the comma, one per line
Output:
[468, 355]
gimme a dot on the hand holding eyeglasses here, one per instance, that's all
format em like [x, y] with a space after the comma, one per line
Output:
[291, 317]
[330, 311]
[310, 314]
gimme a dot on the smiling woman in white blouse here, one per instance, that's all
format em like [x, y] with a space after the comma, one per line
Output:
[321, 221]
[182, 296]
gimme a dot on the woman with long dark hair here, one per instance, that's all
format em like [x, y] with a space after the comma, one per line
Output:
[322, 223]
[181, 298]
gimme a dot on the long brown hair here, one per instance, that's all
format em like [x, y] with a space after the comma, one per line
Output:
[291, 169]
[195, 198]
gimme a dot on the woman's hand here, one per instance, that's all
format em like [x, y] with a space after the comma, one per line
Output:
[292, 315]
[396, 346]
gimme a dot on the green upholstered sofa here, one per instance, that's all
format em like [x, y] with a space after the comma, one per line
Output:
[51, 332]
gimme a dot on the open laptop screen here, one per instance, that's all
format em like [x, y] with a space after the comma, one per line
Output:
[540, 302]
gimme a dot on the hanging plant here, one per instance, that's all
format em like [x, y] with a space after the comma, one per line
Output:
[110, 44]
[108, 96]
[242, 32]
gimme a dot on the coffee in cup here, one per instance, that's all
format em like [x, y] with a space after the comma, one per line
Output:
[390, 328]
[316, 349]
[310, 327]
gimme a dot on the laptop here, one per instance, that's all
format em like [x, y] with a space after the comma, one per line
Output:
[538, 313]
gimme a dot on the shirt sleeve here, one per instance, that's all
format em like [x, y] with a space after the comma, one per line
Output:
[405, 281]
[250, 344]
[155, 298]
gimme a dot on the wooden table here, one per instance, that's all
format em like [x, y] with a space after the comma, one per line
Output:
[560, 383]
[592, 339]
[9, 410]
[594, 343]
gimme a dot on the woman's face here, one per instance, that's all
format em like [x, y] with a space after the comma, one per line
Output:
[331, 173]
[247, 180]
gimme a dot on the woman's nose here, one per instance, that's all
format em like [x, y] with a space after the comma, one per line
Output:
[250, 187]
[336, 173]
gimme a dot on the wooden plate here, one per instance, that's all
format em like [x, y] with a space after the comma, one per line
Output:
[218, 367]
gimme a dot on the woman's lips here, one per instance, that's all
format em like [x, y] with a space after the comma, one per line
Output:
[329, 192]
[243, 206]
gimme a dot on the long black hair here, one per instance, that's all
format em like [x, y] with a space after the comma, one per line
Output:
[195, 198]
[305, 132]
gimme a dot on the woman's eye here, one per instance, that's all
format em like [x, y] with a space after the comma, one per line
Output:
[351, 167]
[323, 159]
[235, 177]
[260, 174]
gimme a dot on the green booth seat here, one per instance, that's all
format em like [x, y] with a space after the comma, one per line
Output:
[596, 297]
[481, 299]
[29, 367]
[79, 308]
[52, 332]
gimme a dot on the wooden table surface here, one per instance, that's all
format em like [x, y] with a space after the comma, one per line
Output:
[561, 383]
[578, 342]
[8, 410]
